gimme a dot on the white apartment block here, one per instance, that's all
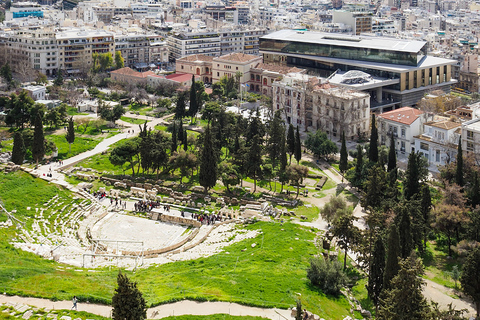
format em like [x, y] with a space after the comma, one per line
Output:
[439, 141]
[471, 137]
[31, 48]
[135, 48]
[77, 46]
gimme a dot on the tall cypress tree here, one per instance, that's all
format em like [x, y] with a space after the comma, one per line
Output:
[180, 132]
[376, 272]
[393, 252]
[373, 150]
[180, 106]
[276, 131]
[298, 146]
[343, 165]
[174, 137]
[18, 152]
[128, 302]
[411, 186]
[185, 140]
[207, 175]
[473, 193]
[392, 155]
[359, 167]
[291, 141]
[193, 109]
[425, 207]
[254, 160]
[405, 232]
[70, 136]
[459, 171]
[38, 145]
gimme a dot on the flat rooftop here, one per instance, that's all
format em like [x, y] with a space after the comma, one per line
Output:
[369, 42]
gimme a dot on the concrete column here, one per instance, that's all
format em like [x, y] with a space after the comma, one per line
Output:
[379, 94]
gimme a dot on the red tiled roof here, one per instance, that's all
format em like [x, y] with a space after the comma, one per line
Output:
[132, 73]
[196, 57]
[181, 77]
[405, 115]
[238, 57]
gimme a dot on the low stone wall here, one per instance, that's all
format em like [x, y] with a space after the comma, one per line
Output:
[179, 220]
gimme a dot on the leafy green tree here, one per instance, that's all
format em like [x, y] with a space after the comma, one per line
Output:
[70, 135]
[119, 61]
[212, 111]
[459, 168]
[183, 160]
[208, 173]
[18, 152]
[344, 229]
[254, 161]
[320, 145]
[448, 218]
[38, 146]
[404, 299]
[102, 62]
[124, 153]
[110, 114]
[327, 275]
[455, 274]
[298, 315]
[291, 141]
[127, 301]
[333, 208]
[159, 156]
[296, 173]
[376, 272]
[343, 165]
[20, 109]
[470, 280]
[228, 174]
[41, 78]
[392, 155]
[373, 149]
[298, 146]
[393, 252]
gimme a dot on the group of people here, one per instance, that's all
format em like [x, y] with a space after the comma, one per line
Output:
[145, 206]
[123, 204]
[99, 195]
[206, 218]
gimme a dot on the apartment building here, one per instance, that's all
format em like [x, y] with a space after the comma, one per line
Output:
[135, 48]
[31, 48]
[214, 43]
[76, 47]
[263, 75]
[23, 9]
[158, 52]
[471, 137]
[360, 21]
[311, 105]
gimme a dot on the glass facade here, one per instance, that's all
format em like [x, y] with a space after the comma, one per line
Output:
[343, 52]
[27, 14]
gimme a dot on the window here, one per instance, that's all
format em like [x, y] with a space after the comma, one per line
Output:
[437, 155]
[403, 132]
[469, 135]
[424, 146]
[470, 146]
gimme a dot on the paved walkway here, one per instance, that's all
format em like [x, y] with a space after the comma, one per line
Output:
[172, 309]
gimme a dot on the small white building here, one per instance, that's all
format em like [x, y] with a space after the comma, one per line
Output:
[439, 141]
[471, 137]
[404, 124]
[36, 92]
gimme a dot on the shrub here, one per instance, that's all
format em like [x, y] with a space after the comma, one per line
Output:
[327, 275]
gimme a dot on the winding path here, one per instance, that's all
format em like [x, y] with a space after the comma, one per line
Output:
[172, 309]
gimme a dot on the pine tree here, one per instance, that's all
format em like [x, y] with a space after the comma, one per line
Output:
[392, 155]
[298, 147]
[343, 165]
[59, 79]
[128, 302]
[411, 185]
[375, 187]
[208, 173]
[291, 141]
[404, 299]
[393, 252]
[38, 145]
[70, 136]
[193, 109]
[373, 150]
[18, 152]
[459, 168]
[376, 271]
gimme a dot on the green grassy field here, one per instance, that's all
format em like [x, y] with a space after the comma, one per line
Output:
[132, 120]
[213, 317]
[80, 145]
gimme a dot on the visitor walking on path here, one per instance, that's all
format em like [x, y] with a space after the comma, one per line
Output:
[74, 300]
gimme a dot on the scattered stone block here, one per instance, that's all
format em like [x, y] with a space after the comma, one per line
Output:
[27, 314]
